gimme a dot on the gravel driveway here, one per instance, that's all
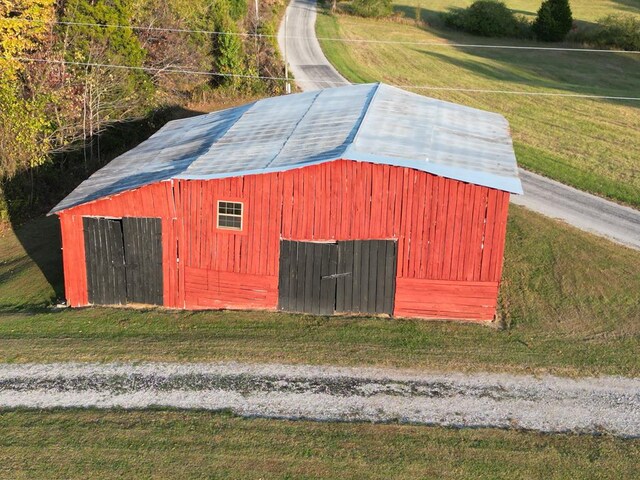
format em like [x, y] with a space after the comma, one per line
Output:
[547, 403]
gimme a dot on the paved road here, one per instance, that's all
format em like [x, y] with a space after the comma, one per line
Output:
[313, 71]
[547, 404]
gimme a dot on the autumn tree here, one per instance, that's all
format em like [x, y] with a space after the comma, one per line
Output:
[24, 129]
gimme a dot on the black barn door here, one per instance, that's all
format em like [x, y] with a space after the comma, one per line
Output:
[104, 250]
[124, 260]
[367, 276]
[307, 281]
[324, 278]
[143, 259]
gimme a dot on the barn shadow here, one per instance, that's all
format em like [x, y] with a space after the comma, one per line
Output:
[29, 196]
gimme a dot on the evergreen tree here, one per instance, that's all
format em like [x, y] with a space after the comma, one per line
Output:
[228, 51]
[554, 20]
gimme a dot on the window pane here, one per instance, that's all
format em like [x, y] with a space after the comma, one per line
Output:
[230, 215]
[230, 208]
[229, 221]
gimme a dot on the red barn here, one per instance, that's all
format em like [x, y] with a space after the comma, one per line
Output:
[364, 199]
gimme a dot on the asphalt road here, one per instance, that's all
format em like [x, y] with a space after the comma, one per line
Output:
[312, 71]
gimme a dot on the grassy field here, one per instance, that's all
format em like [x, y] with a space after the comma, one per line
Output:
[570, 300]
[586, 143]
[169, 444]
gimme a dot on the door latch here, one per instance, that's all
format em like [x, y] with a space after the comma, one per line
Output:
[336, 275]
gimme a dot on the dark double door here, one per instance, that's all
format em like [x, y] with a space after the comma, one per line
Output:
[124, 260]
[347, 276]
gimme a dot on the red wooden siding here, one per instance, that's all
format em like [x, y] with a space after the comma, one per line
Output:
[447, 231]
[446, 299]
[214, 289]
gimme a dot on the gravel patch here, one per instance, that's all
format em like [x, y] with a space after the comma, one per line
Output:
[547, 403]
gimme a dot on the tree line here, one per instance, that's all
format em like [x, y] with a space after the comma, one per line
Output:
[59, 100]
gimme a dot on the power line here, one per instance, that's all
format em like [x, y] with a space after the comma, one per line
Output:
[167, 69]
[170, 69]
[334, 39]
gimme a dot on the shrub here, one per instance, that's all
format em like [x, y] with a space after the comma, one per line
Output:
[616, 31]
[487, 18]
[238, 9]
[228, 53]
[371, 8]
[554, 21]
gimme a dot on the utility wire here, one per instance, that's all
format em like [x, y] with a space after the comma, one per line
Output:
[333, 39]
[170, 69]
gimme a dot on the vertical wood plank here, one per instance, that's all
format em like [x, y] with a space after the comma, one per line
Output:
[492, 205]
[308, 273]
[348, 280]
[390, 276]
[284, 275]
[380, 275]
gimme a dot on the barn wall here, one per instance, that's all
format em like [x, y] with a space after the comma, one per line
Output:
[446, 230]
[450, 234]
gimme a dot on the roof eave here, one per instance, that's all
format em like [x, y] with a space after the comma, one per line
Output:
[485, 179]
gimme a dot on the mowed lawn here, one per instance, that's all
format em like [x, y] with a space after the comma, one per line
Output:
[170, 444]
[571, 303]
[591, 144]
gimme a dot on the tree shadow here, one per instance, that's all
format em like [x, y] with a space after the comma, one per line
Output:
[632, 6]
[431, 17]
[581, 73]
[434, 17]
[565, 73]
[32, 194]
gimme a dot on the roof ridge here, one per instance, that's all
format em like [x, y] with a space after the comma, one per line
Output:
[284, 144]
[363, 117]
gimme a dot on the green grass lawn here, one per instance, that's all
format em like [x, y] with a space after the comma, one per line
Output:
[590, 144]
[571, 302]
[170, 444]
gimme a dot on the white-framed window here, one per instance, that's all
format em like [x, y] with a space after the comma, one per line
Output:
[230, 215]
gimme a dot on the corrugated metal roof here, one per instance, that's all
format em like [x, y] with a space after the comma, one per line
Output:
[367, 122]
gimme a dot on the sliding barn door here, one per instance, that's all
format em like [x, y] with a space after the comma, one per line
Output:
[367, 276]
[104, 250]
[123, 260]
[307, 281]
[143, 259]
[346, 277]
